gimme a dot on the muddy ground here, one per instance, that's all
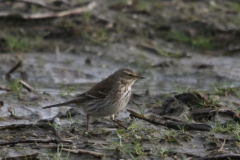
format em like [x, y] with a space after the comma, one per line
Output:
[188, 103]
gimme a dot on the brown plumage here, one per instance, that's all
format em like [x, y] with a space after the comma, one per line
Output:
[106, 98]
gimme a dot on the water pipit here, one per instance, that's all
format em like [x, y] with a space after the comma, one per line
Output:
[106, 98]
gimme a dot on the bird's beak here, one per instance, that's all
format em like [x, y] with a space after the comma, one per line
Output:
[140, 77]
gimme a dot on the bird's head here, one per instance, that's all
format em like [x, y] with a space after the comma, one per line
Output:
[127, 76]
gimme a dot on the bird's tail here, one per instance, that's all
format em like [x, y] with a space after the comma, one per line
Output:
[56, 105]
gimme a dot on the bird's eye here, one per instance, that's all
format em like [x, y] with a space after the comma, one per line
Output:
[130, 75]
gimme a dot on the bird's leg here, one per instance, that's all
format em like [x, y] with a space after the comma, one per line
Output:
[88, 122]
[112, 118]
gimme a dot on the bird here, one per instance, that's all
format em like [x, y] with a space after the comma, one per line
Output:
[106, 98]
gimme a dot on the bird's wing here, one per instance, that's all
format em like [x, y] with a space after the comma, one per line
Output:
[87, 96]
[99, 91]
[96, 94]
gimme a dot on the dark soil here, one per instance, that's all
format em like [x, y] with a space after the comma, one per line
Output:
[187, 105]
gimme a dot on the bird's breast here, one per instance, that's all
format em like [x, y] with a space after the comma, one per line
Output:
[124, 97]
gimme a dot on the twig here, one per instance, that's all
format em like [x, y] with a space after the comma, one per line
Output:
[19, 64]
[134, 114]
[13, 69]
[74, 11]
[23, 157]
[222, 145]
[24, 84]
[81, 151]
[172, 124]
[27, 86]
[171, 118]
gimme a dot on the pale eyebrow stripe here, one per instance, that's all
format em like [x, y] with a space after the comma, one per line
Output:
[127, 72]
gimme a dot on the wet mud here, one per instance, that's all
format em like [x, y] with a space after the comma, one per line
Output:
[187, 107]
